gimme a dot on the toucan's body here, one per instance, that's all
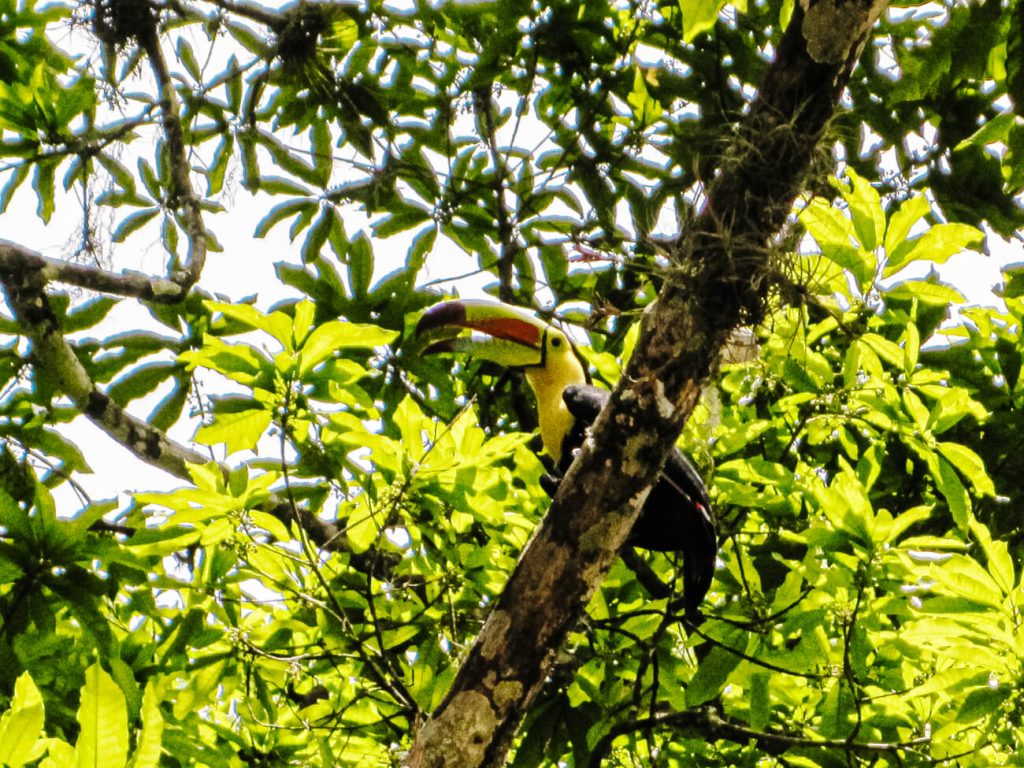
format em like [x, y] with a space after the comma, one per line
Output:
[677, 515]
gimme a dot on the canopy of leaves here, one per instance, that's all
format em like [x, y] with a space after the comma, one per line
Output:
[307, 597]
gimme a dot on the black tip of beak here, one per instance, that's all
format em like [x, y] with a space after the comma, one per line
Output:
[446, 313]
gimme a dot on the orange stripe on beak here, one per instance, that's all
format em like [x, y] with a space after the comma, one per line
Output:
[508, 328]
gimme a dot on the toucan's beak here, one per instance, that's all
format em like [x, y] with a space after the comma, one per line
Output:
[513, 337]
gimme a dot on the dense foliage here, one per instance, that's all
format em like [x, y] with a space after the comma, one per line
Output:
[306, 597]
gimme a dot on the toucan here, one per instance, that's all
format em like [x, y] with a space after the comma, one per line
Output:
[677, 515]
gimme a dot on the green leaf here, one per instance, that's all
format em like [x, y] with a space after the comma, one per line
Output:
[238, 431]
[218, 167]
[87, 315]
[698, 16]
[950, 486]
[168, 410]
[360, 266]
[900, 223]
[42, 182]
[132, 223]
[711, 676]
[834, 234]
[339, 334]
[141, 381]
[277, 324]
[997, 557]
[970, 466]
[948, 411]
[103, 721]
[991, 131]
[150, 740]
[981, 702]
[22, 725]
[936, 245]
[322, 151]
[926, 291]
[282, 211]
[188, 58]
[60, 755]
[13, 517]
[59, 446]
[361, 527]
[239, 362]
[318, 234]
[865, 210]
[16, 179]
[885, 349]
[280, 185]
[964, 577]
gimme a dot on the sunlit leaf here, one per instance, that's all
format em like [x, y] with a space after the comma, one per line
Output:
[103, 719]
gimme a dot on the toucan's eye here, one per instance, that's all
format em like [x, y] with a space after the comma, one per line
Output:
[556, 342]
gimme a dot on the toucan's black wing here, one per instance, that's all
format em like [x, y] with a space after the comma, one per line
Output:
[677, 515]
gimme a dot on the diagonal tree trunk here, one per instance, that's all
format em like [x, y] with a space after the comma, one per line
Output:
[718, 281]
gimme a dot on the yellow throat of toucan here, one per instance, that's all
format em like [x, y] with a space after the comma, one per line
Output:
[558, 369]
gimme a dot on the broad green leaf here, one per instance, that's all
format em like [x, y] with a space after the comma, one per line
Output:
[911, 348]
[60, 754]
[698, 16]
[889, 351]
[339, 334]
[103, 720]
[826, 224]
[239, 362]
[865, 210]
[277, 324]
[951, 487]
[141, 381]
[132, 223]
[360, 266]
[936, 245]
[282, 211]
[970, 466]
[322, 151]
[42, 182]
[238, 431]
[281, 185]
[218, 167]
[964, 577]
[995, 130]
[997, 557]
[89, 314]
[981, 702]
[927, 292]
[711, 676]
[362, 527]
[903, 219]
[22, 724]
[646, 109]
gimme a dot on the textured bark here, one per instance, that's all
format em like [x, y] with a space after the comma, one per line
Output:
[15, 258]
[718, 281]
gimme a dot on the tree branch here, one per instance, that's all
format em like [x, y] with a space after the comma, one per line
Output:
[718, 281]
[15, 258]
[181, 195]
[26, 294]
